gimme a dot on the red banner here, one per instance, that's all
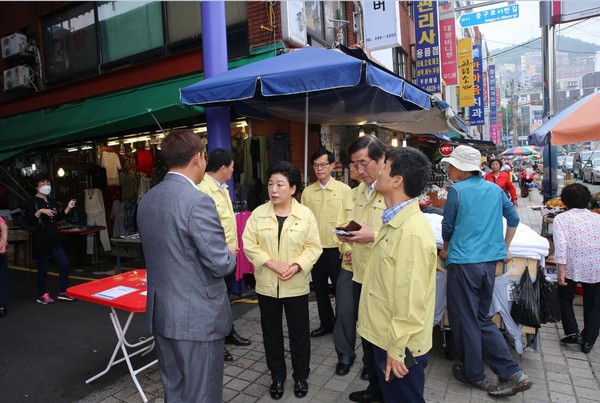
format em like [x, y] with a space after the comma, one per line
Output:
[448, 50]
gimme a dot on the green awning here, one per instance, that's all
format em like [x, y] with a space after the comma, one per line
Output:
[104, 115]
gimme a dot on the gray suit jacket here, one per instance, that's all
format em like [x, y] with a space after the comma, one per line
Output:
[186, 260]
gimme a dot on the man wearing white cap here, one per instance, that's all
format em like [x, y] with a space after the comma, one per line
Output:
[474, 241]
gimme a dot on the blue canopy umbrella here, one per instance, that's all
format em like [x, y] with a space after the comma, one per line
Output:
[344, 88]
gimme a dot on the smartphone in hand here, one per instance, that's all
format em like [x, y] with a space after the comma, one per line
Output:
[409, 362]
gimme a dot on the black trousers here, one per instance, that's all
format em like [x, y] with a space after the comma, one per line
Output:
[271, 321]
[368, 355]
[591, 307]
[327, 267]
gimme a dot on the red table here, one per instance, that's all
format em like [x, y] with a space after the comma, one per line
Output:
[127, 292]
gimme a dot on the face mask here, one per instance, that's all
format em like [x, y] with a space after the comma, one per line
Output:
[45, 190]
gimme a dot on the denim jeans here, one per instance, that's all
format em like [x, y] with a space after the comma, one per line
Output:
[42, 270]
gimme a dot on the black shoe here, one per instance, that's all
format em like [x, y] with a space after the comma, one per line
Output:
[457, 370]
[572, 339]
[236, 339]
[2, 312]
[320, 331]
[300, 388]
[364, 374]
[586, 348]
[227, 356]
[276, 390]
[342, 369]
[364, 396]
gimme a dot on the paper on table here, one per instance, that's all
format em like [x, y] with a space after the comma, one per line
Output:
[115, 292]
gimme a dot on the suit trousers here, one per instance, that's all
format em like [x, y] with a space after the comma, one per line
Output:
[591, 307]
[191, 371]
[327, 267]
[271, 317]
[367, 346]
[477, 340]
[407, 389]
[344, 331]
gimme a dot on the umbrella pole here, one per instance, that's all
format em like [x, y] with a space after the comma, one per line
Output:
[306, 140]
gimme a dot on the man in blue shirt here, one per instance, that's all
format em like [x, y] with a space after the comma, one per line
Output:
[474, 241]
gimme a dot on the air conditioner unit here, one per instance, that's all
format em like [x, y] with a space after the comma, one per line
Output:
[13, 45]
[16, 78]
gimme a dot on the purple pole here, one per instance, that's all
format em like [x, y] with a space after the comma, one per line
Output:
[214, 51]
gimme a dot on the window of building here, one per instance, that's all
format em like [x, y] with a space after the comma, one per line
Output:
[70, 44]
[324, 23]
[128, 28]
[93, 38]
[400, 62]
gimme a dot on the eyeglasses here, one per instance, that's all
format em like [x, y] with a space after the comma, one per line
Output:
[321, 165]
[360, 164]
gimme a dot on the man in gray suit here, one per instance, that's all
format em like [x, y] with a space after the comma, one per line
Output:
[187, 257]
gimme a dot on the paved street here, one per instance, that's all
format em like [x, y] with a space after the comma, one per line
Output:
[560, 374]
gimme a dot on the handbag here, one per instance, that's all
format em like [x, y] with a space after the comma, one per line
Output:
[549, 303]
[26, 224]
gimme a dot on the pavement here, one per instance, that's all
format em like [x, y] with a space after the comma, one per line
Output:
[560, 373]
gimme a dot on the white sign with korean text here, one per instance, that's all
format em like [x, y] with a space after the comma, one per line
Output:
[382, 24]
[293, 23]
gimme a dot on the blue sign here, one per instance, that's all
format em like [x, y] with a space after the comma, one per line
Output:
[427, 49]
[492, 94]
[487, 16]
[476, 115]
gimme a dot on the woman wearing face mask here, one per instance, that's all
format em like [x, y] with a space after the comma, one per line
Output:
[44, 210]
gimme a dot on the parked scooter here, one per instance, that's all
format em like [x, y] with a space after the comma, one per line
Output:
[527, 177]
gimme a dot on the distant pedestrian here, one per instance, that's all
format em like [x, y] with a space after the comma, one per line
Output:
[502, 179]
[281, 240]
[3, 267]
[474, 241]
[324, 198]
[576, 234]
[187, 258]
[398, 292]
[43, 211]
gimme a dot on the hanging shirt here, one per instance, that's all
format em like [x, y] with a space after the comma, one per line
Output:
[111, 162]
[145, 161]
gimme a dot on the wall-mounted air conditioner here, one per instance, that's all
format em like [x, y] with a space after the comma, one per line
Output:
[16, 78]
[13, 45]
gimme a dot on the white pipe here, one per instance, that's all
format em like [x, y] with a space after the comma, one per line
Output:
[306, 140]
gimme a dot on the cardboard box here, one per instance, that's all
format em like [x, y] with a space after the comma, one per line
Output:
[516, 267]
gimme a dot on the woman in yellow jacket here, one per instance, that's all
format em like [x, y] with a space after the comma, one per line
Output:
[281, 240]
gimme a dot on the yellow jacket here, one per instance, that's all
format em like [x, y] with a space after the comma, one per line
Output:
[344, 215]
[366, 210]
[299, 243]
[224, 208]
[325, 205]
[397, 301]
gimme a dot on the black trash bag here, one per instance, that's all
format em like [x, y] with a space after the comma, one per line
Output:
[526, 305]
[549, 304]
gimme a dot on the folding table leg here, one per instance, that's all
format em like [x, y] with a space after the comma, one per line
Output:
[123, 344]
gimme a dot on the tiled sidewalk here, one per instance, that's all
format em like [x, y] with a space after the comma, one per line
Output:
[559, 373]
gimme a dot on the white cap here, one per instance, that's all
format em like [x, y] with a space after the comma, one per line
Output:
[464, 158]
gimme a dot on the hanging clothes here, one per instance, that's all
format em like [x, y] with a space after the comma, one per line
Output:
[279, 144]
[96, 215]
[97, 177]
[117, 214]
[145, 161]
[130, 214]
[144, 187]
[255, 160]
[112, 163]
[243, 264]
